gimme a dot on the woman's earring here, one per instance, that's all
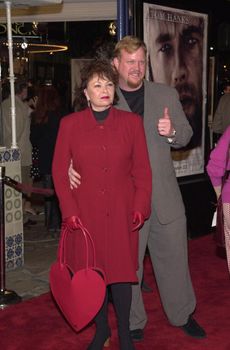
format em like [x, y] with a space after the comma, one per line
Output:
[88, 103]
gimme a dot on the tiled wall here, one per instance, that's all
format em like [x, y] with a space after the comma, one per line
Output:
[14, 242]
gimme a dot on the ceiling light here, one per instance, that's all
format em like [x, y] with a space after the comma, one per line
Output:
[33, 48]
[24, 44]
[45, 48]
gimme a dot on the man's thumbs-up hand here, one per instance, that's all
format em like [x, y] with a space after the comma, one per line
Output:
[166, 113]
[165, 127]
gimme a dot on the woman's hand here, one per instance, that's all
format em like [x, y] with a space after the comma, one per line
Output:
[72, 222]
[74, 177]
[138, 219]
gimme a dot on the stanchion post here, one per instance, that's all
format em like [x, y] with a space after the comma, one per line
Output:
[6, 296]
[2, 231]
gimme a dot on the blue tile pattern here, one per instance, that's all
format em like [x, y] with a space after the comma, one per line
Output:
[14, 241]
[9, 155]
[14, 251]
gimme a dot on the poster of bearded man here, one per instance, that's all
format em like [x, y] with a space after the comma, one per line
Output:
[177, 56]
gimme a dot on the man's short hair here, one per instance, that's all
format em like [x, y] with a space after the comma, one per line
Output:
[130, 44]
[20, 85]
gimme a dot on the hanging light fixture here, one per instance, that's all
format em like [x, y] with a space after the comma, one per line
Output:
[112, 28]
[35, 48]
[24, 44]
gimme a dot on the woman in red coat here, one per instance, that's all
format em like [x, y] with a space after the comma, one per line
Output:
[108, 147]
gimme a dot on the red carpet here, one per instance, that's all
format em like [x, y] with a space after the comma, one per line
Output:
[37, 325]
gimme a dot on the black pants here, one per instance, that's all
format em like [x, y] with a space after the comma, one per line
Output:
[52, 211]
[121, 295]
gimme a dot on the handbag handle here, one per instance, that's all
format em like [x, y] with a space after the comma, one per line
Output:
[86, 235]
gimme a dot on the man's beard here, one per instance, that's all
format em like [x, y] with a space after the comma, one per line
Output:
[134, 79]
[186, 94]
[196, 123]
[134, 85]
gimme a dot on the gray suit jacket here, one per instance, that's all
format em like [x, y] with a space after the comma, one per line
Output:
[166, 196]
[221, 118]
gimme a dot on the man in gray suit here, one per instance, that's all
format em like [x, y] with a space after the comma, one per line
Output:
[165, 232]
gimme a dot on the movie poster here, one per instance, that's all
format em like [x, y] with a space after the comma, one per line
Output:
[177, 56]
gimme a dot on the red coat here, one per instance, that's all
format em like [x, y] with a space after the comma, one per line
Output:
[116, 178]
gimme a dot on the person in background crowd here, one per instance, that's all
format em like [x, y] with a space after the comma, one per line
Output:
[165, 233]
[45, 120]
[221, 118]
[32, 97]
[108, 145]
[218, 164]
[32, 94]
[22, 137]
[5, 90]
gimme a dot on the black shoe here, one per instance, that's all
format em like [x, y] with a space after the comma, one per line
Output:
[193, 329]
[145, 287]
[101, 339]
[137, 334]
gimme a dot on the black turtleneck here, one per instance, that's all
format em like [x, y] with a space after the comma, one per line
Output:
[101, 116]
[135, 100]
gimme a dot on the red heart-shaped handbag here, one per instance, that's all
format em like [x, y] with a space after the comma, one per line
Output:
[79, 295]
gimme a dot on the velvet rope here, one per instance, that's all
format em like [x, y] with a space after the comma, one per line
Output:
[25, 188]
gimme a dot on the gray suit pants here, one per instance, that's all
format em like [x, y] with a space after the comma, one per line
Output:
[168, 251]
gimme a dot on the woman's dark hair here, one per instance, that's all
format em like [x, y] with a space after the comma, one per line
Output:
[48, 101]
[103, 69]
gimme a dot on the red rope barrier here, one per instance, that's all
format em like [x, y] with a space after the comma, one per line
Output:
[25, 188]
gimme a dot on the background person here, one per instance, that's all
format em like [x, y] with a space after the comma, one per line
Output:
[165, 232]
[45, 121]
[218, 164]
[221, 118]
[32, 96]
[109, 145]
[22, 137]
